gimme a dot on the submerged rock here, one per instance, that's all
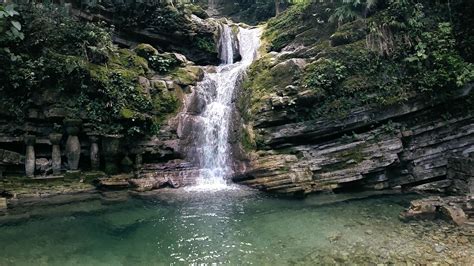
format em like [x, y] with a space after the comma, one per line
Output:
[452, 208]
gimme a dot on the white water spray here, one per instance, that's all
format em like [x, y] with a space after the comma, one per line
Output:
[213, 149]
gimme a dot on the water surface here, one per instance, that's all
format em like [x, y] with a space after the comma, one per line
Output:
[229, 227]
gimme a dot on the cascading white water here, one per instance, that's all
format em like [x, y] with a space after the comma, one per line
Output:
[213, 147]
[226, 53]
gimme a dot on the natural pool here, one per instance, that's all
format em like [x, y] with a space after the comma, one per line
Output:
[229, 227]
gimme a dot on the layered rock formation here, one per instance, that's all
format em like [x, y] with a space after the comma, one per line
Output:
[325, 110]
[402, 146]
[459, 208]
[43, 119]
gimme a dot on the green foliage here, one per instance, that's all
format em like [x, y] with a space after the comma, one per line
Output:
[79, 67]
[171, 21]
[435, 63]
[165, 102]
[258, 83]
[10, 28]
[303, 20]
[115, 102]
[159, 15]
[10, 32]
[159, 62]
[206, 44]
[394, 51]
[345, 12]
[325, 74]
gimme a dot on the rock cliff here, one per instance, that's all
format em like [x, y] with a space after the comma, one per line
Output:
[402, 146]
[320, 112]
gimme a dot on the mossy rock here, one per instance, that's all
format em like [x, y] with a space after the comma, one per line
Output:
[284, 73]
[248, 139]
[354, 155]
[128, 60]
[126, 164]
[130, 114]
[349, 33]
[159, 85]
[129, 66]
[145, 50]
[188, 76]
[97, 56]
[98, 73]
[127, 113]
[281, 41]
[258, 84]
[313, 35]
[165, 103]
[316, 49]
[197, 10]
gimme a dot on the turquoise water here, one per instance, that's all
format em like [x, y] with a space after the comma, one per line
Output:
[227, 227]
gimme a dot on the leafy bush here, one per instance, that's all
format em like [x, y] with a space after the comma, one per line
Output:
[78, 65]
[435, 63]
[325, 74]
[10, 28]
[410, 50]
[161, 63]
[206, 44]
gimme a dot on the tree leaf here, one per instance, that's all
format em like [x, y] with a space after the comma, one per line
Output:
[16, 24]
[9, 8]
[10, 11]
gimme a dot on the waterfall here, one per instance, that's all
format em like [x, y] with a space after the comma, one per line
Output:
[226, 53]
[217, 88]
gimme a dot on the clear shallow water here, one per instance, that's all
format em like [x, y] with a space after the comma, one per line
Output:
[230, 227]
